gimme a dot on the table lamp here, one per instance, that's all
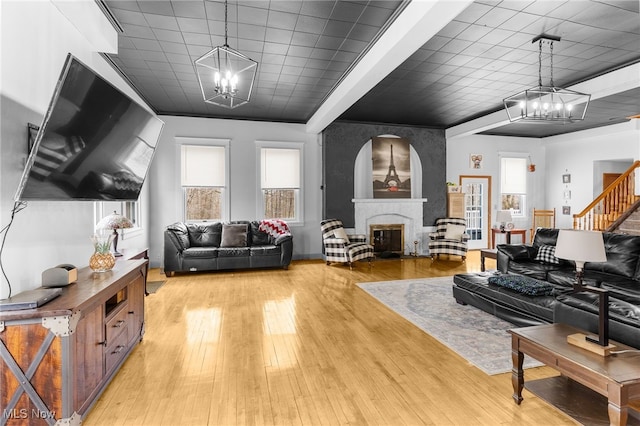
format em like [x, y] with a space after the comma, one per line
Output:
[581, 247]
[503, 217]
[114, 221]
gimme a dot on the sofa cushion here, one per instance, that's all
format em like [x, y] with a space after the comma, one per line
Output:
[628, 290]
[234, 252]
[181, 233]
[204, 234]
[265, 250]
[200, 252]
[522, 284]
[545, 237]
[532, 269]
[547, 254]
[258, 237]
[622, 255]
[234, 235]
[516, 251]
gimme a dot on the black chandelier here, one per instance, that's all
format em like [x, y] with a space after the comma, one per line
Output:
[226, 76]
[547, 103]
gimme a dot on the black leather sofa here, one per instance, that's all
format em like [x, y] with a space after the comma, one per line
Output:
[620, 275]
[190, 247]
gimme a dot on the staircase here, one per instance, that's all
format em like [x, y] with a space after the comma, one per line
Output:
[617, 209]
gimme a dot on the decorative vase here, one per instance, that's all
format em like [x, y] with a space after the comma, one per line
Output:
[102, 260]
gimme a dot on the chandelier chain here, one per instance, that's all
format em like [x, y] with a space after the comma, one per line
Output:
[540, 63]
[225, 24]
[551, 50]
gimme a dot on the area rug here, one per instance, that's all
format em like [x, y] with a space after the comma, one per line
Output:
[154, 286]
[479, 337]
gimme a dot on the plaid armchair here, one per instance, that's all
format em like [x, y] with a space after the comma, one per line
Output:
[450, 238]
[337, 246]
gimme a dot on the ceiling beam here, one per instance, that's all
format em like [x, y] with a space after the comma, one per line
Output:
[608, 84]
[417, 23]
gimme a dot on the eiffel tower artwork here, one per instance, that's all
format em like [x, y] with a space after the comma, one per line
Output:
[397, 182]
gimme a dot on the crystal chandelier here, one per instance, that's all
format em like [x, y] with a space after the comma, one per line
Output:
[226, 76]
[547, 103]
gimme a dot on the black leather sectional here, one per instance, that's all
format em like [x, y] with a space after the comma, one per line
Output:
[620, 274]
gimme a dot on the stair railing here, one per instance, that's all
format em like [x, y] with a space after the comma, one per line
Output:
[610, 205]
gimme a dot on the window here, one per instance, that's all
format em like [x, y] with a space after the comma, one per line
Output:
[513, 185]
[203, 182]
[280, 183]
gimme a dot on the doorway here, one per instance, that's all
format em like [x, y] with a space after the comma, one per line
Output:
[608, 179]
[477, 199]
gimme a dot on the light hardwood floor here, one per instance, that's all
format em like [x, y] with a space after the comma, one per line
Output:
[303, 346]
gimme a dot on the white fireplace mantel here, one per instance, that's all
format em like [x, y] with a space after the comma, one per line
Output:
[376, 211]
[388, 200]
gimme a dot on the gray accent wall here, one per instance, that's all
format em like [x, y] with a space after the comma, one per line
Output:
[343, 141]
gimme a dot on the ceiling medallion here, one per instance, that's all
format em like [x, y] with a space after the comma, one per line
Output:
[547, 104]
[226, 76]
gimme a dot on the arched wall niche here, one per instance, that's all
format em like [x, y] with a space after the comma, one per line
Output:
[363, 171]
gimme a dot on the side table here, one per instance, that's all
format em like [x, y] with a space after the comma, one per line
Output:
[508, 232]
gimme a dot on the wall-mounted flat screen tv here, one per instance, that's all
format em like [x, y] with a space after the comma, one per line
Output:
[94, 143]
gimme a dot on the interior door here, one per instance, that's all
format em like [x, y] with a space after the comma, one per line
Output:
[477, 199]
[608, 178]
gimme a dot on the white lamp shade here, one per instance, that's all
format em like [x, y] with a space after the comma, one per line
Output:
[580, 246]
[503, 216]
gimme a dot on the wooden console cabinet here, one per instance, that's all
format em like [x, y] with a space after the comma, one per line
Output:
[56, 360]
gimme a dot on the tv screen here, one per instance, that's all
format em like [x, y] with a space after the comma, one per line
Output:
[95, 143]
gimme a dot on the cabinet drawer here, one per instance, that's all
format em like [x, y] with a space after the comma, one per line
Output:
[115, 351]
[117, 324]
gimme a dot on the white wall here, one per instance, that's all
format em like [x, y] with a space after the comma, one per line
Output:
[584, 155]
[35, 37]
[460, 149]
[576, 154]
[164, 177]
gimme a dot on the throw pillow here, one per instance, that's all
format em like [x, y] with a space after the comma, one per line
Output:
[547, 254]
[234, 235]
[454, 232]
[522, 284]
[341, 233]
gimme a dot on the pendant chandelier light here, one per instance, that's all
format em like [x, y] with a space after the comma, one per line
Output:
[544, 104]
[226, 76]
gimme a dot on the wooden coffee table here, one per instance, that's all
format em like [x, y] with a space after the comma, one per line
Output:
[615, 377]
[487, 254]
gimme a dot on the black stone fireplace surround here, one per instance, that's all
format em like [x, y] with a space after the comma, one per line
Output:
[343, 141]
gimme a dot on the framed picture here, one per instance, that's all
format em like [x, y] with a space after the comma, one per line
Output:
[566, 178]
[475, 161]
[567, 194]
[566, 210]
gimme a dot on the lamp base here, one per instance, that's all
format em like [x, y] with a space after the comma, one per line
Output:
[581, 341]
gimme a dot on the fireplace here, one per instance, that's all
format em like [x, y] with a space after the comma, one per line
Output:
[384, 211]
[387, 238]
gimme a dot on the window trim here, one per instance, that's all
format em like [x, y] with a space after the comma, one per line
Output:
[299, 214]
[225, 143]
